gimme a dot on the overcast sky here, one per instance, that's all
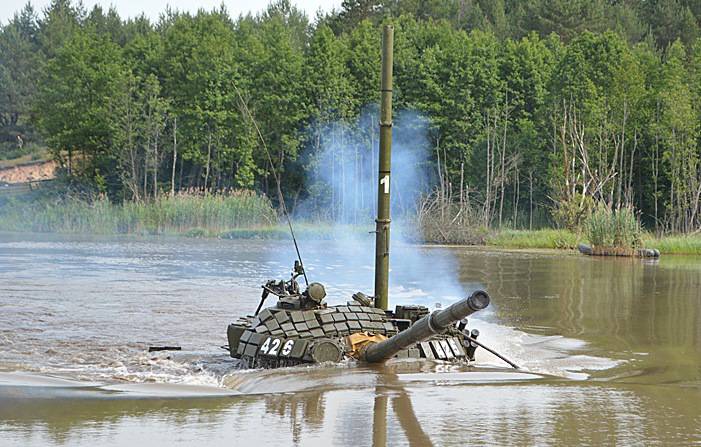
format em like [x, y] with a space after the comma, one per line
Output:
[131, 8]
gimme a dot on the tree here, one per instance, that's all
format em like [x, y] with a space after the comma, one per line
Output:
[20, 65]
[274, 69]
[679, 131]
[60, 20]
[567, 18]
[76, 103]
[670, 20]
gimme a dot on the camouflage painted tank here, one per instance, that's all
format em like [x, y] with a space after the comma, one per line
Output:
[301, 328]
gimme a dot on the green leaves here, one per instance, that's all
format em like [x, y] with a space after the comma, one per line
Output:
[529, 104]
[77, 97]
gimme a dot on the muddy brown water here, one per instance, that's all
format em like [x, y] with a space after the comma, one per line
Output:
[610, 349]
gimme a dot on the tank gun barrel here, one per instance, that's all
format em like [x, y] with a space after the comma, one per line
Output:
[435, 323]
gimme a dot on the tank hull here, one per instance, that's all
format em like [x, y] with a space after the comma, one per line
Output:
[281, 337]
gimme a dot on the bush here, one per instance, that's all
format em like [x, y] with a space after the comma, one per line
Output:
[571, 214]
[613, 232]
[442, 220]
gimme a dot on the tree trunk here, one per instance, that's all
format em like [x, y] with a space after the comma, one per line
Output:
[145, 176]
[488, 178]
[209, 158]
[155, 167]
[516, 198]
[175, 156]
[530, 200]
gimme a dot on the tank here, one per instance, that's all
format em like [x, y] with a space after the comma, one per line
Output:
[300, 328]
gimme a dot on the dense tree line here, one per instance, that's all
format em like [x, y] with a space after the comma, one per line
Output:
[535, 109]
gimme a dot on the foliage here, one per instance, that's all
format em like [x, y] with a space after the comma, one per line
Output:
[608, 229]
[536, 110]
[556, 239]
[572, 213]
[185, 213]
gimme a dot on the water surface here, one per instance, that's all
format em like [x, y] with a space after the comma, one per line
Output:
[610, 348]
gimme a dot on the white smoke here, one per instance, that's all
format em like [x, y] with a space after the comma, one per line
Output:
[342, 169]
[342, 178]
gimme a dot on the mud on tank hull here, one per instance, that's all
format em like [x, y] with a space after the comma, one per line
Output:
[280, 337]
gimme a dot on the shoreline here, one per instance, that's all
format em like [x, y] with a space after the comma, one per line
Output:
[527, 241]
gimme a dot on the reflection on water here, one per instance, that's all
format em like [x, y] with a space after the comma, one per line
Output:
[645, 313]
[85, 309]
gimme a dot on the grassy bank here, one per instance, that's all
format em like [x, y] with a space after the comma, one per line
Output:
[11, 155]
[547, 238]
[565, 239]
[183, 214]
[246, 215]
[237, 215]
[683, 245]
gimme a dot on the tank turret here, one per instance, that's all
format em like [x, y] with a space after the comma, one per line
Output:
[300, 328]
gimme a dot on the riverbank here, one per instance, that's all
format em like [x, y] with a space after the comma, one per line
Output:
[247, 215]
[16, 171]
[183, 214]
[568, 240]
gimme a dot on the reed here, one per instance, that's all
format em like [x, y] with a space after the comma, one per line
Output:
[193, 213]
[304, 230]
[531, 239]
[613, 232]
[675, 244]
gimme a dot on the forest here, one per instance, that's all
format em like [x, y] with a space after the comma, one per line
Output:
[536, 111]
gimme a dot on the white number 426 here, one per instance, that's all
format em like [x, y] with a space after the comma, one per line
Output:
[271, 346]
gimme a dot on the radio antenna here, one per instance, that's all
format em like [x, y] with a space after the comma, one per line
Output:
[281, 199]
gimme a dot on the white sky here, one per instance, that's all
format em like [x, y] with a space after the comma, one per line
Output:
[152, 8]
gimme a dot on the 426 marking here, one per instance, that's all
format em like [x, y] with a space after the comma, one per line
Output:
[271, 347]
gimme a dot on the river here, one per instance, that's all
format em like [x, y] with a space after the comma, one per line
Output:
[609, 349]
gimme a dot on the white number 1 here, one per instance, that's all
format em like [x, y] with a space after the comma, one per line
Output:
[385, 181]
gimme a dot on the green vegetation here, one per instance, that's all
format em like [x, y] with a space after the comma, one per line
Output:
[246, 215]
[535, 111]
[613, 231]
[303, 230]
[546, 238]
[188, 214]
[13, 155]
[565, 239]
[670, 245]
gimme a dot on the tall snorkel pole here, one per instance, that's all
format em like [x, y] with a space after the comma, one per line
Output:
[383, 187]
[438, 322]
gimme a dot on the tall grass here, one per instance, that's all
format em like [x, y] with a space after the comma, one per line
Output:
[613, 231]
[679, 244]
[179, 214]
[545, 238]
